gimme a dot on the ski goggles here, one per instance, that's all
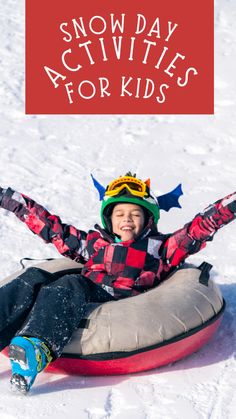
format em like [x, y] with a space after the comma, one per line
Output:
[135, 186]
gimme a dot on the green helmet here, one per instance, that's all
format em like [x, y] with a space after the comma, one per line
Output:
[128, 189]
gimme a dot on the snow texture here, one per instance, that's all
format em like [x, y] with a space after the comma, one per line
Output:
[50, 158]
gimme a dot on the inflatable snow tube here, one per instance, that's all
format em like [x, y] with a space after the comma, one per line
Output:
[144, 332]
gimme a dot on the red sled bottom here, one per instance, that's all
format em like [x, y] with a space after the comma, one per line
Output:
[145, 360]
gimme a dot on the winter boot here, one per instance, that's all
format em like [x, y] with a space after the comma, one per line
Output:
[28, 357]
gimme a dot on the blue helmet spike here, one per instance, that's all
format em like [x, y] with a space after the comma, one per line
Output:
[101, 190]
[171, 199]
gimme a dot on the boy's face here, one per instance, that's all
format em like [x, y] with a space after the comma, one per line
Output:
[127, 221]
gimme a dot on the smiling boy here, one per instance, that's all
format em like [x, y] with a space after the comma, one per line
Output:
[127, 221]
[39, 312]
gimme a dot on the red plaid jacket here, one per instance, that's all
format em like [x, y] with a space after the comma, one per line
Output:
[126, 268]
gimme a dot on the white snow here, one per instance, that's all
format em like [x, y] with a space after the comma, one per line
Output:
[50, 158]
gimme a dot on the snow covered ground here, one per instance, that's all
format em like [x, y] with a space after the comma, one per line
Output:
[51, 158]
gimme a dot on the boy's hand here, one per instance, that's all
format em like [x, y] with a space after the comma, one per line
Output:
[2, 191]
[1, 194]
[230, 202]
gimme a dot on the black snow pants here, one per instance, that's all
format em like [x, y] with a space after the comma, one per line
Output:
[39, 304]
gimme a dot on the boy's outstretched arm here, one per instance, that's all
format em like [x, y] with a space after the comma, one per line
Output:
[68, 240]
[194, 235]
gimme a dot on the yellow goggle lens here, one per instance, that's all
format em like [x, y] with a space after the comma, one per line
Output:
[135, 186]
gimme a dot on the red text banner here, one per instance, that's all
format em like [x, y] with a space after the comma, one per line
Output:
[119, 57]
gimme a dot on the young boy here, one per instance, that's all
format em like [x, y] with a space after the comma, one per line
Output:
[39, 311]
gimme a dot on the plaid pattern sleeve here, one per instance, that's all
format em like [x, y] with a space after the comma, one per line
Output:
[194, 235]
[68, 240]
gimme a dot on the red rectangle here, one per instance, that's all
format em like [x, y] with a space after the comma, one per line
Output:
[152, 57]
[135, 258]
